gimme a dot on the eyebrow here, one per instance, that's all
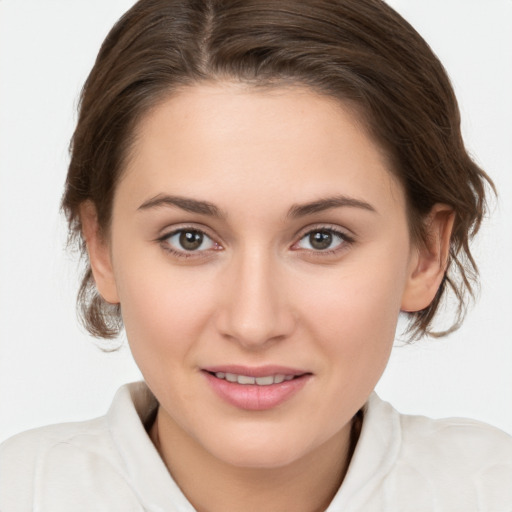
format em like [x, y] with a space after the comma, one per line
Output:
[296, 211]
[185, 203]
[301, 210]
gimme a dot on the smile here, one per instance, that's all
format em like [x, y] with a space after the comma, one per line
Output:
[267, 380]
[256, 389]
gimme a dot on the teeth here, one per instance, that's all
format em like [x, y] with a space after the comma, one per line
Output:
[264, 381]
[260, 381]
[243, 379]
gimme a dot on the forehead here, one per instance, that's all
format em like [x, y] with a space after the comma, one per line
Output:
[286, 144]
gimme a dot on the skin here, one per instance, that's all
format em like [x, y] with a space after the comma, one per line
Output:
[257, 292]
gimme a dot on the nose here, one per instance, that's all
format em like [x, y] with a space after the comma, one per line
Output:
[256, 310]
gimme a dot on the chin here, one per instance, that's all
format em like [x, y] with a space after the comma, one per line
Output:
[260, 459]
[258, 451]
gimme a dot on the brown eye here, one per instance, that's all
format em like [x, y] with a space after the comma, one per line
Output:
[326, 239]
[320, 240]
[191, 240]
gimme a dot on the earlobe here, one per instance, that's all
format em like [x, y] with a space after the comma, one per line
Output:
[99, 253]
[429, 263]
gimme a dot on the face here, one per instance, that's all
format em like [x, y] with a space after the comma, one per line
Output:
[258, 238]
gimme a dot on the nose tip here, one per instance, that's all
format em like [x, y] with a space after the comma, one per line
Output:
[252, 335]
[256, 312]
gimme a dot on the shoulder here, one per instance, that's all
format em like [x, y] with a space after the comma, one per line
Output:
[405, 463]
[26, 448]
[458, 462]
[48, 457]
[76, 466]
[469, 443]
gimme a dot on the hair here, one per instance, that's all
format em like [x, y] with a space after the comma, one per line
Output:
[356, 51]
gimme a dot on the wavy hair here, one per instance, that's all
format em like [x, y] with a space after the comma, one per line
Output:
[360, 51]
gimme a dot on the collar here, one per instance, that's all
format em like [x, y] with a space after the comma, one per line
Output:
[374, 456]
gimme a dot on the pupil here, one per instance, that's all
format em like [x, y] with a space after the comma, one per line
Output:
[320, 240]
[191, 240]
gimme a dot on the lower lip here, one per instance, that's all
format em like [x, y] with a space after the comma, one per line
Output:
[252, 397]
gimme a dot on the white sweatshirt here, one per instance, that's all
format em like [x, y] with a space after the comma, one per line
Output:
[401, 463]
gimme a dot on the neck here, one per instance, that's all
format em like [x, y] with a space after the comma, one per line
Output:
[306, 485]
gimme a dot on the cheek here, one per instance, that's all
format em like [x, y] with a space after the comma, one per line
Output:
[358, 327]
[354, 313]
[164, 309]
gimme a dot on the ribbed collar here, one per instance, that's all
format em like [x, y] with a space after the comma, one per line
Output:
[374, 456]
[146, 471]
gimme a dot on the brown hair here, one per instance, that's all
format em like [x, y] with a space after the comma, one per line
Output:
[360, 51]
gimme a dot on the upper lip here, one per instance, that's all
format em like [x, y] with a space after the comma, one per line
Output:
[255, 371]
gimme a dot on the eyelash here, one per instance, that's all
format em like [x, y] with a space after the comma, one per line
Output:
[346, 240]
[163, 240]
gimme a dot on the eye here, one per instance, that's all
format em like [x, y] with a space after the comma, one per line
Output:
[189, 240]
[322, 240]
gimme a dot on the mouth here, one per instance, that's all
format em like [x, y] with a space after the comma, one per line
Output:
[256, 389]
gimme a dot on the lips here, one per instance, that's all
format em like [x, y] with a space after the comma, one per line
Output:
[255, 388]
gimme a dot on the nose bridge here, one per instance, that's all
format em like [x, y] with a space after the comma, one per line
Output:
[256, 311]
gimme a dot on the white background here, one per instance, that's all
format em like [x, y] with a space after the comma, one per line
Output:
[51, 371]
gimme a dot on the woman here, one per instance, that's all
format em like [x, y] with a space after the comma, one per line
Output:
[260, 190]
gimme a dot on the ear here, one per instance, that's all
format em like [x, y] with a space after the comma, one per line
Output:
[99, 253]
[428, 264]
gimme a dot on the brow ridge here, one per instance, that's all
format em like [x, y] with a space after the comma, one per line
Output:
[185, 203]
[320, 205]
[296, 211]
